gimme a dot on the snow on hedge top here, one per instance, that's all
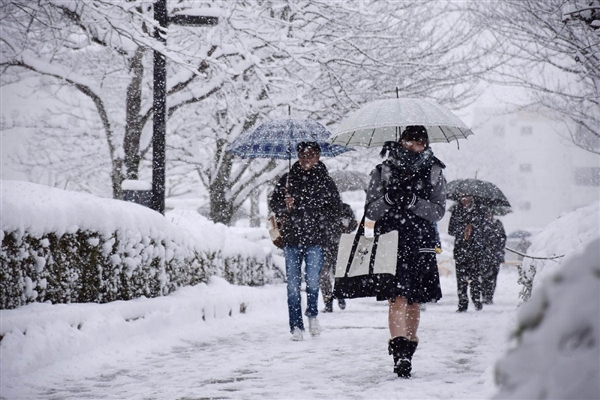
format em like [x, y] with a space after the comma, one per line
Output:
[218, 237]
[39, 210]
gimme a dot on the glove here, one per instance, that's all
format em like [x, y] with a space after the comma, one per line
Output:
[396, 195]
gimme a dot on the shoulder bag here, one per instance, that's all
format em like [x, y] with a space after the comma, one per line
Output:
[365, 266]
[275, 232]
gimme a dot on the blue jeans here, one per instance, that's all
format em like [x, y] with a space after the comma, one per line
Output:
[313, 260]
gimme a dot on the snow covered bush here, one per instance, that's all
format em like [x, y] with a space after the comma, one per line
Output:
[556, 350]
[65, 247]
[560, 237]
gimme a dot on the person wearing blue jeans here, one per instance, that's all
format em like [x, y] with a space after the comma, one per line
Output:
[307, 205]
[313, 260]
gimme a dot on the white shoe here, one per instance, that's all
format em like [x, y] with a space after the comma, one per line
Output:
[297, 335]
[313, 326]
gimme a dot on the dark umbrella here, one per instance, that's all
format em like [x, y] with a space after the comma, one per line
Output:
[278, 139]
[489, 193]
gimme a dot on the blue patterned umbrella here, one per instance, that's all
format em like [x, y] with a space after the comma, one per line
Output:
[278, 139]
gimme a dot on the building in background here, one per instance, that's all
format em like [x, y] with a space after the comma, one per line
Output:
[544, 173]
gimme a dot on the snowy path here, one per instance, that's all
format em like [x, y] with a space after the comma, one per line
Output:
[250, 356]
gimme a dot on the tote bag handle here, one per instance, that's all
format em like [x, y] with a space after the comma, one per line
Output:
[361, 232]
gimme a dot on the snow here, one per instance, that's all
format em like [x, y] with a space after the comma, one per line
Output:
[569, 233]
[218, 340]
[134, 184]
[560, 347]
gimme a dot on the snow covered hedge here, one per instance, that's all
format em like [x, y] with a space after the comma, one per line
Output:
[64, 247]
[556, 349]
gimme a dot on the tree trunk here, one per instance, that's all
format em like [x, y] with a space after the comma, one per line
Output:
[221, 207]
[254, 211]
[133, 126]
[117, 178]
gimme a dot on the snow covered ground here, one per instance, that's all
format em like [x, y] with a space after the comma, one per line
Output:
[217, 340]
[188, 346]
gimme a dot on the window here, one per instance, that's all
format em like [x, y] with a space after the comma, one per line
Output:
[526, 130]
[525, 167]
[587, 176]
[524, 206]
[499, 130]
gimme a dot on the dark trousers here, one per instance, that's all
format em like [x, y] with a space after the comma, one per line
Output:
[327, 273]
[488, 282]
[468, 273]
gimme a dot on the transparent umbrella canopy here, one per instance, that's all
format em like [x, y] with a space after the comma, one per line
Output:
[384, 120]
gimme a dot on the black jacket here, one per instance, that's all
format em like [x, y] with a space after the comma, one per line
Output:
[416, 224]
[315, 218]
[475, 247]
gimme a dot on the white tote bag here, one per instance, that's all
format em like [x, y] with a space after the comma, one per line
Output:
[365, 266]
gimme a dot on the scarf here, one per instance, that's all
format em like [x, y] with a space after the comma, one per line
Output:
[405, 160]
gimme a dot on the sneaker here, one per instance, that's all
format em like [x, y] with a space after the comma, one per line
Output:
[342, 304]
[313, 326]
[328, 306]
[297, 335]
[478, 306]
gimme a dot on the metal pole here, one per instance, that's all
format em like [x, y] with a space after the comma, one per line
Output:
[159, 111]
[160, 97]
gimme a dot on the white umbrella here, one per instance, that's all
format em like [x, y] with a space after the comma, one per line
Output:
[384, 120]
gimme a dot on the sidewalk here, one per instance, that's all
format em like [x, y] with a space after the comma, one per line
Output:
[250, 356]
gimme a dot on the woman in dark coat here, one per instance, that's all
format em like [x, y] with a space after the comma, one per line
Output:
[407, 194]
[307, 205]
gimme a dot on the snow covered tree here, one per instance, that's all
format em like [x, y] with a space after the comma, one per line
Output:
[317, 58]
[552, 49]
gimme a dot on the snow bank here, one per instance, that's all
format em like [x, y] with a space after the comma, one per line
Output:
[556, 352]
[38, 335]
[566, 234]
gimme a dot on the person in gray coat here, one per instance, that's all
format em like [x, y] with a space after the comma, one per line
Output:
[407, 193]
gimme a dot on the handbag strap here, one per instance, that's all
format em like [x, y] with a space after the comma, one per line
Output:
[360, 232]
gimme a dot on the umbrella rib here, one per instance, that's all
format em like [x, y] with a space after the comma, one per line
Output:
[371, 138]
[444, 133]
[350, 138]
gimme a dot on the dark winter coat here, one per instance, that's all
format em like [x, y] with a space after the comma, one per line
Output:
[348, 222]
[474, 249]
[416, 271]
[315, 218]
[495, 242]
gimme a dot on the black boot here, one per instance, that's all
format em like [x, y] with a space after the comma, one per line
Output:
[402, 349]
[328, 306]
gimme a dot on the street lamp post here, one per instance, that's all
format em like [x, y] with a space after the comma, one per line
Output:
[160, 96]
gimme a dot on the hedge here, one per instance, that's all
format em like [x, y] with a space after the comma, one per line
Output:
[85, 267]
[68, 247]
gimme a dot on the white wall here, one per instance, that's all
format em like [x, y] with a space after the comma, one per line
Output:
[541, 168]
